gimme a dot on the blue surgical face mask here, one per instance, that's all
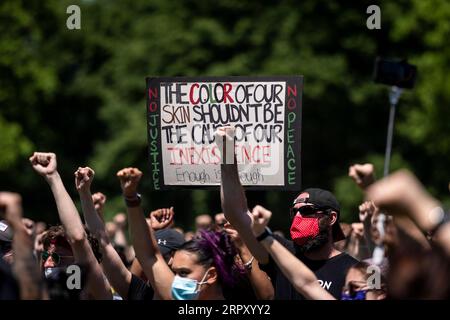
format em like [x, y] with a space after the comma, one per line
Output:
[357, 295]
[185, 288]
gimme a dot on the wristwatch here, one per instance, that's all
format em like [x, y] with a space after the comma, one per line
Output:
[267, 232]
[133, 202]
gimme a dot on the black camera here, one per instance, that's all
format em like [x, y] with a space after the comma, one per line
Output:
[395, 73]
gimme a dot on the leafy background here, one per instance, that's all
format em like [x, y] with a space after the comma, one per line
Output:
[81, 93]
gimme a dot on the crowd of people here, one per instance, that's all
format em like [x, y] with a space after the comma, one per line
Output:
[399, 248]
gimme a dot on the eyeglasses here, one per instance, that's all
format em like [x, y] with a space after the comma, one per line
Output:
[55, 257]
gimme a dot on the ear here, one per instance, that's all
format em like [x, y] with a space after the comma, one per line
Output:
[333, 218]
[212, 276]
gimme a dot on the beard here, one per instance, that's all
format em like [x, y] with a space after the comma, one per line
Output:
[318, 241]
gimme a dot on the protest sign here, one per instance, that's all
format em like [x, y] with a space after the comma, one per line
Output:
[184, 112]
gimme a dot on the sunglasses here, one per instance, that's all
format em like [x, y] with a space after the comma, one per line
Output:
[309, 210]
[55, 257]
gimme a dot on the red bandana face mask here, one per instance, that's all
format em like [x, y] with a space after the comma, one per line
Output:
[304, 229]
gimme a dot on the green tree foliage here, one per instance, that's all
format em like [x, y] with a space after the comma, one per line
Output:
[81, 93]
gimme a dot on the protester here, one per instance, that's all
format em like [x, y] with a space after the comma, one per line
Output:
[314, 229]
[417, 270]
[402, 239]
[189, 235]
[401, 194]
[168, 239]
[256, 278]
[203, 222]
[79, 249]
[24, 266]
[303, 279]
[200, 268]
[219, 221]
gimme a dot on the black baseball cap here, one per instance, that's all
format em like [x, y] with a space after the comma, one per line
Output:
[324, 198]
[6, 237]
[6, 233]
[168, 240]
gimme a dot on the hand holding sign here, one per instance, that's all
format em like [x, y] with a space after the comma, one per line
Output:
[224, 138]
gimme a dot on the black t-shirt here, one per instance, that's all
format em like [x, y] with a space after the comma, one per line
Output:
[242, 291]
[9, 289]
[330, 273]
[139, 289]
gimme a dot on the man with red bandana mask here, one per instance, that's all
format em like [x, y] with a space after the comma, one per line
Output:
[312, 214]
[314, 229]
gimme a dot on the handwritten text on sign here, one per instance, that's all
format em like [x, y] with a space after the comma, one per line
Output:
[189, 112]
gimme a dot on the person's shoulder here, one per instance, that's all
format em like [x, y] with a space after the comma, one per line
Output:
[346, 259]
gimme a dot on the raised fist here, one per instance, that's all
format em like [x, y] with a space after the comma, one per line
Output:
[44, 163]
[161, 218]
[261, 217]
[367, 210]
[362, 174]
[83, 178]
[120, 220]
[129, 181]
[99, 200]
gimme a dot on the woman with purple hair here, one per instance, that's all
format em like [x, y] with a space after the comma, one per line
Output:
[204, 266]
[200, 269]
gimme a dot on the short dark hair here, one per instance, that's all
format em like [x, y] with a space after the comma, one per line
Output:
[57, 235]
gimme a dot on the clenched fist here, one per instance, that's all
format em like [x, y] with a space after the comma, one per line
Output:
[261, 217]
[120, 220]
[129, 181]
[161, 218]
[99, 200]
[83, 179]
[44, 163]
[362, 174]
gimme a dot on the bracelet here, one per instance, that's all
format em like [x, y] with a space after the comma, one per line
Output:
[132, 202]
[248, 265]
[267, 232]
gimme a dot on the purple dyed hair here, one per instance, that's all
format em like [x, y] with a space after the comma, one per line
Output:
[216, 249]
